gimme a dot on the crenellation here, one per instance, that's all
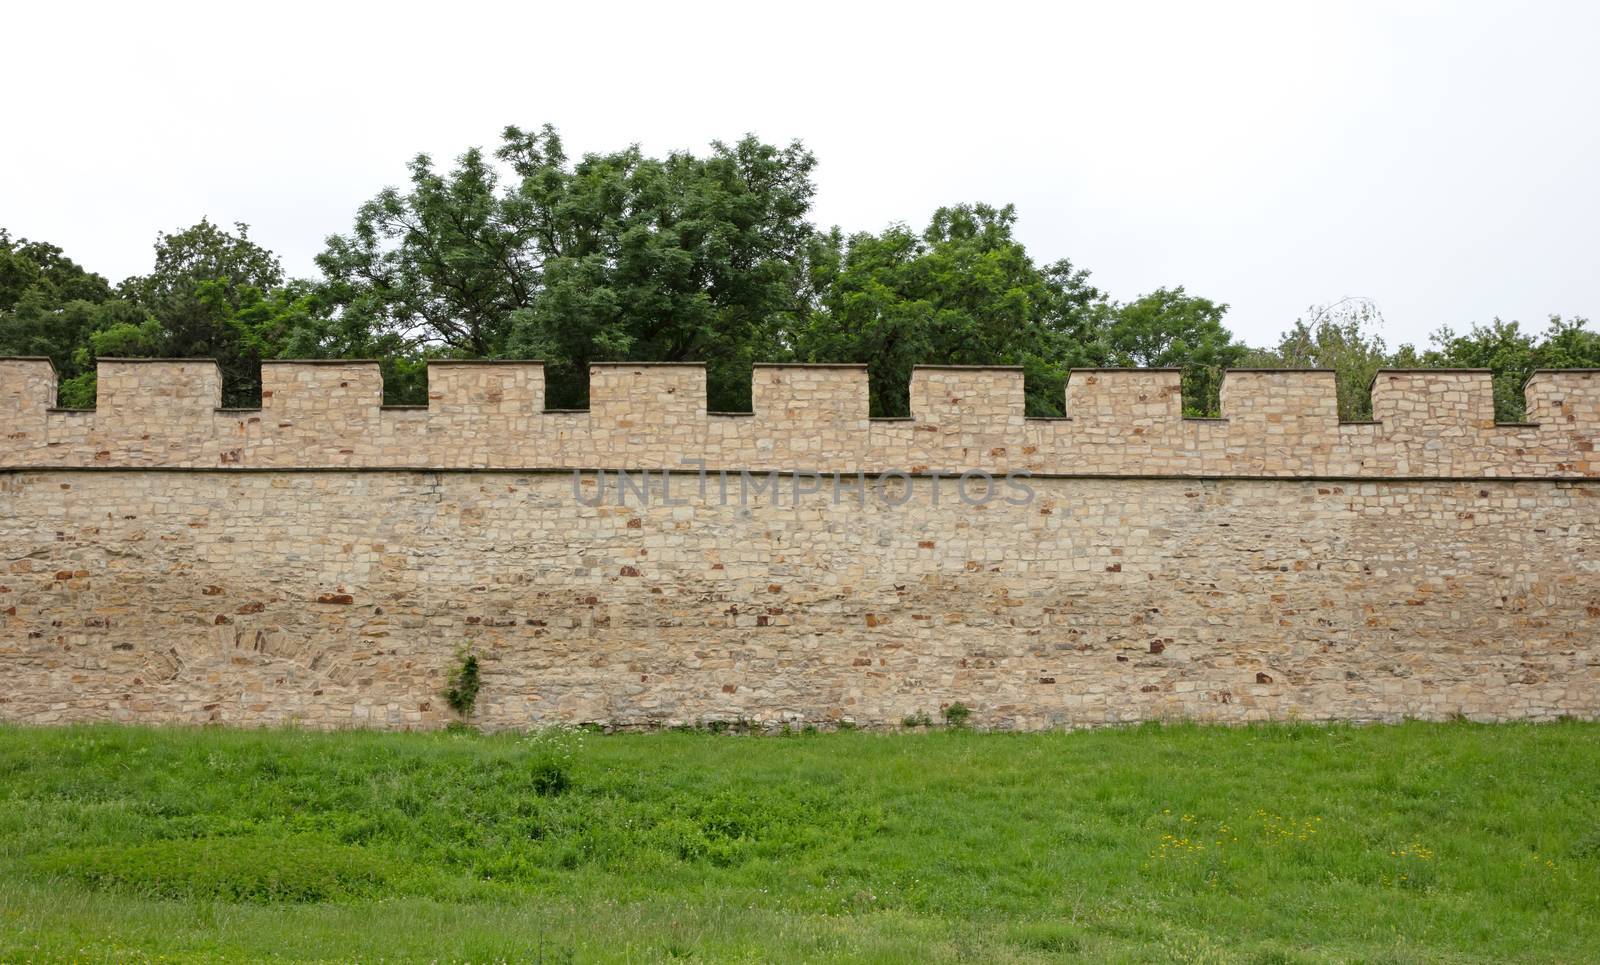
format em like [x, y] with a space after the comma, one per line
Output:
[322, 393]
[1563, 398]
[1452, 403]
[975, 398]
[486, 390]
[27, 394]
[323, 413]
[1292, 413]
[1565, 406]
[27, 383]
[960, 414]
[1285, 401]
[148, 410]
[1122, 400]
[316, 412]
[1438, 416]
[635, 394]
[146, 392]
[808, 414]
[797, 395]
[647, 414]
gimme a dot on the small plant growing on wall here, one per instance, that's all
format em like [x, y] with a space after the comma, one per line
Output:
[956, 714]
[462, 695]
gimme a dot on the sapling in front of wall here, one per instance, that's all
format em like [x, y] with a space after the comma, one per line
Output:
[462, 694]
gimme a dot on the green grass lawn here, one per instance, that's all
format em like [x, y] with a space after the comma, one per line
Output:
[1419, 842]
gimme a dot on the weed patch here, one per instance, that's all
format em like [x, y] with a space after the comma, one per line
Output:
[259, 869]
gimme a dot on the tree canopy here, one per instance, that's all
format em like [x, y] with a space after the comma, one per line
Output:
[616, 257]
[1344, 337]
[961, 292]
[620, 256]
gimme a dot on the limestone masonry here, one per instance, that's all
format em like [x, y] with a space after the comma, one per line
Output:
[325, 559]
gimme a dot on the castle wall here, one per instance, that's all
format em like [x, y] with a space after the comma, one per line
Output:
[323, 560]
[342, 598]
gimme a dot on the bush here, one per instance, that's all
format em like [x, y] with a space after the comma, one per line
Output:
[550, 756]
[956, 714]
[464, 683]
[549, 776]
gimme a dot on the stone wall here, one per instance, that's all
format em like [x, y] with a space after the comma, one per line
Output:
[323, 560]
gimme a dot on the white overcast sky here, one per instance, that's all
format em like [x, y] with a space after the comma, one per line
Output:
[1440, 158]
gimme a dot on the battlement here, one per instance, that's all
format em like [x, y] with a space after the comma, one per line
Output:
[165, 413]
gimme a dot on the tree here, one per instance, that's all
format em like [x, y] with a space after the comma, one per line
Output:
[1513, 355]
[963, 291]
[1170, 327]
[617, 257]
[44, 271]
[202, 276]
[295, 322]
[38, 324]
[1340, 336]
[212, 294]
[50, 306]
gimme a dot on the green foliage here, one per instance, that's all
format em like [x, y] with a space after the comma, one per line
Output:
[957, 714]
[77, 391]
[1257, 843]
[211, 294]
[965, 291]
[552, 754]
[464, 683]
[962, 292]
[297, 321]
[525, 252]
[50, 306]
[1170, 328]
[1343, 337]
[190, 302]
[550, 777]
[918, 719]
[1514, 355]
[614, 257]
[43, 271]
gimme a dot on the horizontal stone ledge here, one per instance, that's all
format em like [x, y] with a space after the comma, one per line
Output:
[46, 469]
